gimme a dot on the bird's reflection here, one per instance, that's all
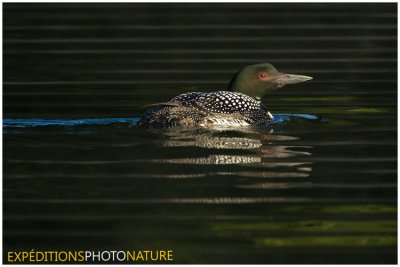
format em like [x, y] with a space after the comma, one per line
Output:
[215, 142]
[268, 154]
[216, 160]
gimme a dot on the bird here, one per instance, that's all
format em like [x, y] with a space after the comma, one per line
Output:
[238, 106]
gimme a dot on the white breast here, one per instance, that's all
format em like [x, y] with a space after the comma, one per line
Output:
[219, 121]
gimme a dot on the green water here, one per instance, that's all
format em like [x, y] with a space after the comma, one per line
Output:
[301, 191]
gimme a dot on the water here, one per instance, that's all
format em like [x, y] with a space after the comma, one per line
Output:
[27, 123]
[317, 186]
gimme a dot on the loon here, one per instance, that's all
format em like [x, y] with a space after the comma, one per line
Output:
[240, 105]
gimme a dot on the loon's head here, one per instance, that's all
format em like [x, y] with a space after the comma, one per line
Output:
[260, 79]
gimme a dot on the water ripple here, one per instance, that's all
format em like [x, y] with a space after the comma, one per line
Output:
[30, 123]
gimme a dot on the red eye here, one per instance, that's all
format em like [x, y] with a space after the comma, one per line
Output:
[262, 75]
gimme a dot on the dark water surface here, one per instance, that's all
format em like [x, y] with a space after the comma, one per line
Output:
[305, 190]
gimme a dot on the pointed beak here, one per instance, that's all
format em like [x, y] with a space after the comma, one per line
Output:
[284, 79]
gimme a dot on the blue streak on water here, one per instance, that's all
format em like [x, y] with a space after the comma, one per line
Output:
[283, 117]
[29, 123]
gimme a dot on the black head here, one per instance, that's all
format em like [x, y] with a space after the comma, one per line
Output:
[260, 79]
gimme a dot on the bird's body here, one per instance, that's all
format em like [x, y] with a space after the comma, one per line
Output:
[220, 108]
[239, 106]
